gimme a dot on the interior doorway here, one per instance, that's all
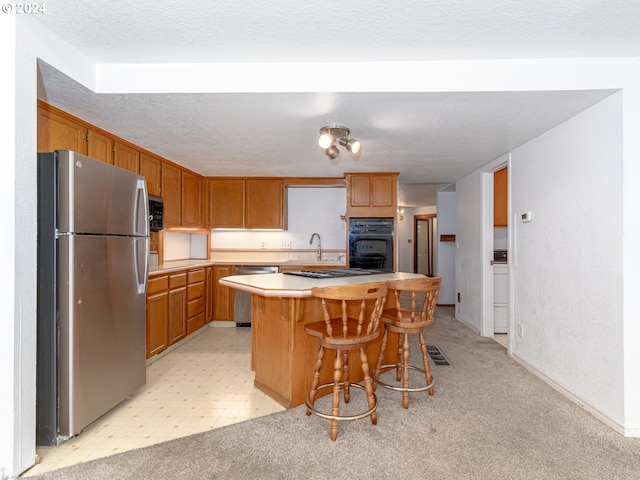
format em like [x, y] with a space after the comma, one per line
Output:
[423, 245]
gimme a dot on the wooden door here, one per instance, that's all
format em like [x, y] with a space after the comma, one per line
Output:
[58, 132]
[191, 200]
[172, 194]
[223, 296]
[157, 315]
[126, 157]
[100, 146]
[225, 203]
[384, 192]
[177, 307]
[151, 170]
[500, 192]
[359, 191]
[264, 203]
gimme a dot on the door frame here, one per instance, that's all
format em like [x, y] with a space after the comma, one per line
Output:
[416, 219]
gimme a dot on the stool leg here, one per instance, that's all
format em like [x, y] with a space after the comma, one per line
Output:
[383, 346]
[316, 378]
[368, 384]
[425, 361]
[399, 355]
[405, 371]
[345, 377]
[335, 403]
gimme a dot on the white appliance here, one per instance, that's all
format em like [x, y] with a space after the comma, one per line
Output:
[93, 242]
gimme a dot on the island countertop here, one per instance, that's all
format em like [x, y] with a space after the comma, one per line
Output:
[291, 286]
[283, 356]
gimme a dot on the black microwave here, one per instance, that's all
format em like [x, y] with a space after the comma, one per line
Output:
[156, 214]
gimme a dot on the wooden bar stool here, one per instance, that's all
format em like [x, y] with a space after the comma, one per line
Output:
[411, 319]
[351, 320]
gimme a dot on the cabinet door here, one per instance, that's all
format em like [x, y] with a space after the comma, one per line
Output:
[151, 170]
[177, 314]
[126, 157]
[56, 132]
[264, 204]
[500, 189]
[208, 292]
[226, 203]
[191, 199]
[223, 296]
[100, 147]
[172, 194]
[157, 323]
[384, 192]
[359, 191]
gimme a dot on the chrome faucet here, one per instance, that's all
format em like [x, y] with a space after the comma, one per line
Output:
[319, 255]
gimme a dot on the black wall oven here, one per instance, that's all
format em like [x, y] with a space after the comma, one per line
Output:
[371, 243]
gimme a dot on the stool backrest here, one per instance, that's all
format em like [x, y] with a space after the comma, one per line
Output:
[424, 295]
[361, 303]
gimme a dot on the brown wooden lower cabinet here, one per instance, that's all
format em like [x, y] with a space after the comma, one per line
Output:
[223, 296]
[195, 300]
[157, 314]
[177, 306]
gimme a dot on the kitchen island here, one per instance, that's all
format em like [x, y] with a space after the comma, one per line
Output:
[283, 356]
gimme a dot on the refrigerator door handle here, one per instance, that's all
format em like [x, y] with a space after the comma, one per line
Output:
[142, 264]
[142, 209]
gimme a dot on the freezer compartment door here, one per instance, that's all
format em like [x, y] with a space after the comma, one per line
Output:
[95, 197]
[102, 327]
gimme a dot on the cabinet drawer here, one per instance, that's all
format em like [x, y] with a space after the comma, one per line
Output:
[195, 291]
[195, 323]
[195, 307]
[177, 280]
[196, 276]
[157, 284]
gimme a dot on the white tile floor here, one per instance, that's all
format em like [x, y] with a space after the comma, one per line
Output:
[205, 383]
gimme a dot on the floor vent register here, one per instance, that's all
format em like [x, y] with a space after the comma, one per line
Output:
[436, 355]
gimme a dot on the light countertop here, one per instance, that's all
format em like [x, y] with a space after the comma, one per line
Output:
[176, 265]
[283, 285]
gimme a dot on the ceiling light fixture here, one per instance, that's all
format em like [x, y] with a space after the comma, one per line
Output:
[331, 133]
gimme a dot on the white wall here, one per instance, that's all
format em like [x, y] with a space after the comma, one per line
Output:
[446, 264]
[310, 210]
[468, 255]
[10, 322]
[566, 265]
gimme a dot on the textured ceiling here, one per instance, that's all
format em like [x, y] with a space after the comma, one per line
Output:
[430, 138]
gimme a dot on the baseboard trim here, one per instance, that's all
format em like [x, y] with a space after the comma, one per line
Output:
[608, 421]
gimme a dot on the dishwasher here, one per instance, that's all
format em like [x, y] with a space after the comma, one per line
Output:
[242, 300]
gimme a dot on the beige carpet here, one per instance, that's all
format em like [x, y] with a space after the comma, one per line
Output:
[489, 419]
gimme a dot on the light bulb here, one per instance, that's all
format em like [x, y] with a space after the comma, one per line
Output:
[325, 140]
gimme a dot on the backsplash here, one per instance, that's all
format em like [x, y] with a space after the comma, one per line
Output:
[181, 246]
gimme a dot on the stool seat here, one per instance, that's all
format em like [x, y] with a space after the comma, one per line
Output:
[351, 321]
[408, 320]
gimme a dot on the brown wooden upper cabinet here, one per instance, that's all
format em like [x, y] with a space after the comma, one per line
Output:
[100, 146]
[500, 189]
[182, 197]
[172, 194]
[246, 203]
[126, 157]
[264, 204]
[57, 131]
[372, 194]
[191, 199]
[225, 200]
[151, 170]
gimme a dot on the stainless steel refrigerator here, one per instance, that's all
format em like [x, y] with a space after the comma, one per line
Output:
[93, 242]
